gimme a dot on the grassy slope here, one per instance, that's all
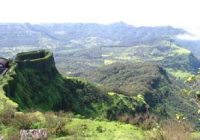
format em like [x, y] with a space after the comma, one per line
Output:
[102, 130]
[5, 102]
[79, 128]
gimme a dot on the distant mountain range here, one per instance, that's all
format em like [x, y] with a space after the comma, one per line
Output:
[123, 34]
[78, 47]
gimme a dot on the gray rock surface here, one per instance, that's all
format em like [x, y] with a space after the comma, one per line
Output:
[34, 134]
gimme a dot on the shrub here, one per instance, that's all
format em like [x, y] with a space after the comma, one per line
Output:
[100, 129]
[172, 130]
[56, 124]
[24, 121]
[7, 116]
[10, 133]
[176, 130]
[145, 121]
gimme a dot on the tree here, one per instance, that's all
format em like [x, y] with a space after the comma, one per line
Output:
[194, 88]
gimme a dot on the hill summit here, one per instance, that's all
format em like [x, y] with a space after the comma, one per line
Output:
[33, 82]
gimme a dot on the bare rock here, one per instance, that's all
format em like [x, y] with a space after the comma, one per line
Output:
[34, 134]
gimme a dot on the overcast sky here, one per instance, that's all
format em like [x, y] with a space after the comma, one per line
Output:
[178, 13]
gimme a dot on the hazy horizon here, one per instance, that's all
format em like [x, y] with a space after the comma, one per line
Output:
[176, 13]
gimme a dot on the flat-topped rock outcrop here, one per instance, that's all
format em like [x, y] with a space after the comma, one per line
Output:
[4, 65]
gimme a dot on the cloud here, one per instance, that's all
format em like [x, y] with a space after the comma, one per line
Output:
[193, 34]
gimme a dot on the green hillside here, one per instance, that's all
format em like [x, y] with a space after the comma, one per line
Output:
[162, 92]
[122, 98]
[178, 61]
[146, 79]
[33, 82]
[118, 82]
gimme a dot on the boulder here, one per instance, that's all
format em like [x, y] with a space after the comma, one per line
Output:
[34, 134]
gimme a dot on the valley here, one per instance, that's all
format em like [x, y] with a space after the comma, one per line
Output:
[93, 81]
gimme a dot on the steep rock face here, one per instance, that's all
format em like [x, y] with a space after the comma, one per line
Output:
[37, 84]
[34, 82]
